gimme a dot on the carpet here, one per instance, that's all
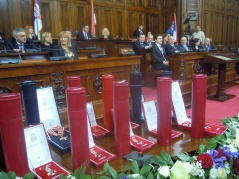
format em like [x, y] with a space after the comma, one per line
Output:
[215, 111]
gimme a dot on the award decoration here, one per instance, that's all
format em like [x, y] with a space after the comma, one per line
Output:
[41, 162]
[97, 130]
[139, 143]
[182, 119]
[150, 118]
[98, 156]
[58, 136]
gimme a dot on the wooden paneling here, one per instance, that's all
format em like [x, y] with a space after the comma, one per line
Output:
[218, 18]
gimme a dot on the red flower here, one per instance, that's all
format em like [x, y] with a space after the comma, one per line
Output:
[206, 160]
[221, 153]
[236, 166]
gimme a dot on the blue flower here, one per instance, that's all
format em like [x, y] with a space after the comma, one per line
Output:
[228, 152]
[217, 161]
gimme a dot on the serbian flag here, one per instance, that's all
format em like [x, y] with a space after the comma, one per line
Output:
[175, 32]
[37, 19]
[93, 18]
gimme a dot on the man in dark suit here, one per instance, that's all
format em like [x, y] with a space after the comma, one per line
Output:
[140, 44]
[207, 45]
[19, 41]
[183, 47]
[159, 55]
[84, 34]
[139, 31]
[171, 48]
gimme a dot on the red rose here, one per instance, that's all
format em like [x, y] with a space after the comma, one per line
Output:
[221, 153]
[206, 160]
[236, 166]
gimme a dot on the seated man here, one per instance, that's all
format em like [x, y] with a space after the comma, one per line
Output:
[19, 41]
[150, 40]
[207, 45]
[183, 47]
[171, 48]
[140, 44]
[159, 55]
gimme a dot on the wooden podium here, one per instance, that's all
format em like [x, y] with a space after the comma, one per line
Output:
[222, 60]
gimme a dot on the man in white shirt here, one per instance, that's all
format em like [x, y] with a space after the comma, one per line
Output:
[199, 34]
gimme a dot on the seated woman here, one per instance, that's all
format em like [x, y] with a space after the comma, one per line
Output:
[46, 42]
[165, 39]
[197, 47]
[105, 34]
[64, 47]
[30, 33]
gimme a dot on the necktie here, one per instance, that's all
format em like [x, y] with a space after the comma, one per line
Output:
[21, 47]
[141, 44]
[86, 37]
[160, 48]
[185, 46]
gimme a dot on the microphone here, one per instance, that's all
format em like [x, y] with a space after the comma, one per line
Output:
[10, 60]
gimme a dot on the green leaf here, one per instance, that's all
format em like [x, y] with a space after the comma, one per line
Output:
[184, 157]
[163, 159]
[145, 170]
[104, 177]
[3, 175]
[110, 171]
[135, 167]
[201, 149]
[11, 175]
[29, 176]
[151, 176]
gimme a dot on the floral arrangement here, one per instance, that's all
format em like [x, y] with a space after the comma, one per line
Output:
[218, 159]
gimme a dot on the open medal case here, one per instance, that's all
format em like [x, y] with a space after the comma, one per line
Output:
[98, 156]
[96, 129]
[150, 118]
[138, 143]
[39, 157]
[49, 116]
[181, 116]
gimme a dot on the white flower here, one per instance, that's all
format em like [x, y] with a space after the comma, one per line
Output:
[138, 176]
[164, 170]
[180, 170]
[197, 170]
[232, 148]
[219, 173]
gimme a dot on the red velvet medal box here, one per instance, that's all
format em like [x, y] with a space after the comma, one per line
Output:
[49, 116]
[99, 156]
[140, 144]
[182, 119]
[39, 157]
[150, 118]
[97, 130]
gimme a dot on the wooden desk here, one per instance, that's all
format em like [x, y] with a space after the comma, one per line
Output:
[111, 47]
[222, 60]
[55, 73]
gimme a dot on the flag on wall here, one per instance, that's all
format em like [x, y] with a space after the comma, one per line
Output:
[93, 18]
[175, 32]
[37, 19]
